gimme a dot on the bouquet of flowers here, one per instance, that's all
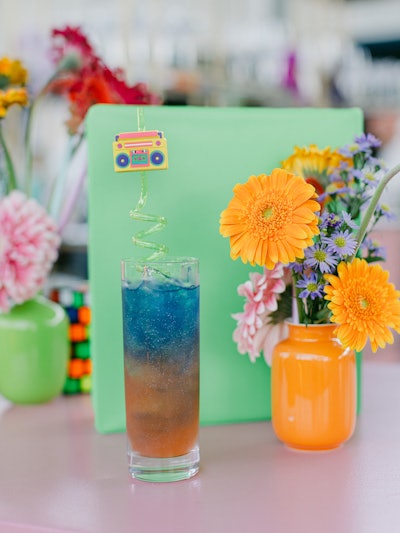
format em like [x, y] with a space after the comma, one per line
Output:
[30, 229]
[308, 226]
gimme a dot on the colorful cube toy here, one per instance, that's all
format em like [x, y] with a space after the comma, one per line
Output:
[75, 301]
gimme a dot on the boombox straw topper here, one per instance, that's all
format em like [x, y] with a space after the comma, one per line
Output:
[141, 150]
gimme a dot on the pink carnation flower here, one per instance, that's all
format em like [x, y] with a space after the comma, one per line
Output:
[254, 333]
[29, 244]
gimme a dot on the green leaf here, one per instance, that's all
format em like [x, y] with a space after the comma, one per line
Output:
[4, 81]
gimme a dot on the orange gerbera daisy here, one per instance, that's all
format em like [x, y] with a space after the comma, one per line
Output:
[364, 304]
[271, 219]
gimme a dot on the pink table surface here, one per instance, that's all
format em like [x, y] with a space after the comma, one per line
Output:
[58, 475]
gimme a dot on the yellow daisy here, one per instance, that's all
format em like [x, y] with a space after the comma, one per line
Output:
[12, 96]
[271, 219]
[363, 304]
[13, 71]
[314, 164]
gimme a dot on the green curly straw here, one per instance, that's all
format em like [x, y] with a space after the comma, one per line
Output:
[160, 222]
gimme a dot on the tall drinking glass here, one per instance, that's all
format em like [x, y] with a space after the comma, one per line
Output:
[160, 306]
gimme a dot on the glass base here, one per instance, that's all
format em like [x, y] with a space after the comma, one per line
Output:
[164, 469]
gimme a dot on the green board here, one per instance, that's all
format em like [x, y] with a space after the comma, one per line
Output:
[209, 151]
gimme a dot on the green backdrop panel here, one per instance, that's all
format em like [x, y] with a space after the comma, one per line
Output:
[210, 150]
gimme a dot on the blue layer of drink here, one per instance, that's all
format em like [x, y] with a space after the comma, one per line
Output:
[161, 319]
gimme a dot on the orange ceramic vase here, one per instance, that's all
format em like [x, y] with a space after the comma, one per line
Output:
[314, 388]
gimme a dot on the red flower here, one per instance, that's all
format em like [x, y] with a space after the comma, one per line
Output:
[72, 42]
[87, 80]
[63, 84]
[319, 189]
[92, 90]
[136, 94]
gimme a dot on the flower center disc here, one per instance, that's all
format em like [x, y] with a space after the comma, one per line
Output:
[267, 217]
[268, 213]
[340, 242]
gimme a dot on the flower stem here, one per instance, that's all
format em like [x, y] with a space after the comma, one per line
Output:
[28, 130]
[28, 152]
[298, 311]
[72, 199]
[372, 206]
[12, 181]
[58, 185]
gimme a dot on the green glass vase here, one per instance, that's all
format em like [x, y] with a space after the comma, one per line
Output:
[34, 351]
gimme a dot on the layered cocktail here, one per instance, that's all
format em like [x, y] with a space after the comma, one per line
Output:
[160, 302]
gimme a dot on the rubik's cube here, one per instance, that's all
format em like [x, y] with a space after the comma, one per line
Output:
[75, 301]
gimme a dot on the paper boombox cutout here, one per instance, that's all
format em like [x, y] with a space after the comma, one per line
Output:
[141, 150]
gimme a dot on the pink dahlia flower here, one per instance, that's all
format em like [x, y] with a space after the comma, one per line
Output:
[29, 244]
[254, 333]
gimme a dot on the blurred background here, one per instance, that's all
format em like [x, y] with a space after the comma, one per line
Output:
[275, 53]
[267, 52]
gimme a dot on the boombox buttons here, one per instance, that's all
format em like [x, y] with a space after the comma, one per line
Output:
[141, 150]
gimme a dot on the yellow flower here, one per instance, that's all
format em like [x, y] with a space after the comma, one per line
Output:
[13, 71]
[313, 164]
[363, 304]
[271, 219]
[311, 161]
[10, 97]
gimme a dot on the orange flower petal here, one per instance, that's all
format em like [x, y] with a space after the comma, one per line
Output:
[363, 303]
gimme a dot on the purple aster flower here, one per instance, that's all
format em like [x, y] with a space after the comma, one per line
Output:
[311, 287]
[369, 176]
[339, 175]
[383, 210]
[373, 249]
[365, 195]
[367, 141]
[349, 221]
[350, 150]
[297, 267]
[342, 191]
[341, 243]
[377, 163]
[318, 256]
[329, 220]
[362, 144]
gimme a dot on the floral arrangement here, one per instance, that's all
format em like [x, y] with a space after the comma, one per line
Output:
[308, 226]
[30, 228]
